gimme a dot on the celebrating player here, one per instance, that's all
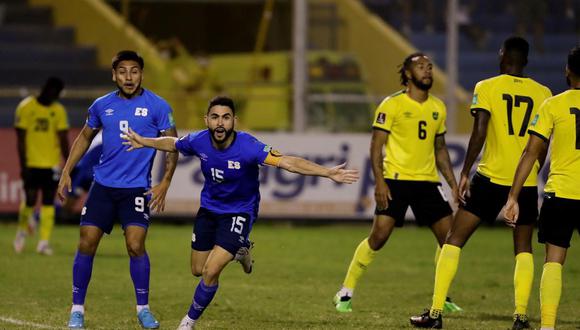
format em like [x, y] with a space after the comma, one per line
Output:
[230, 197]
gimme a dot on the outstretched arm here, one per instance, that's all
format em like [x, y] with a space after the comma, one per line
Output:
[531, 153]
[136, 141]
[305, 167]
[444, 164]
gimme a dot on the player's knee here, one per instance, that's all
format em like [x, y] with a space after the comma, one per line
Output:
[211, 274]
[197, 272]
[377, 241]
[135, 249]
[87, 247]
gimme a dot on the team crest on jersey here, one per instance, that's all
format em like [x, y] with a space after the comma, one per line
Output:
[233, 165]
[435, 115]
[109, 112]
[474, 99]
[381, 118]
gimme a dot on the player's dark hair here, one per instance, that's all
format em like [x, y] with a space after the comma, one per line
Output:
[406, 65]
[574, 61]
[224, 101]
[53, 83]
[128, 55]
[517, 49]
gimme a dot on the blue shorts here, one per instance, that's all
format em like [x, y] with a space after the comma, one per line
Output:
[228, 230]
[105, 205]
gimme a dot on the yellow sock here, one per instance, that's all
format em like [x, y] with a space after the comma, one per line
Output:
[437, 254]
[523, 278]
[444, 274]
[46, 222]
[363, 256]
[23, 214]
[550, 291]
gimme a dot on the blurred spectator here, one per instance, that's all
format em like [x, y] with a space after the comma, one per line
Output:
[474, 32]
[426, 7]
[532, 12]
[572, 12]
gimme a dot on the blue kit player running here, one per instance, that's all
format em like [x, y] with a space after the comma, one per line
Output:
[121, 188]
[230, 197]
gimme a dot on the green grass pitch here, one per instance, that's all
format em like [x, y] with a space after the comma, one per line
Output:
[296, 274]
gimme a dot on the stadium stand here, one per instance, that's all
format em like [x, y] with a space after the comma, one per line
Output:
[477, 57]
[32, 48]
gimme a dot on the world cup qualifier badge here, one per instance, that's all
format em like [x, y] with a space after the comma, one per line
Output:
[435, 115]
[381, 118]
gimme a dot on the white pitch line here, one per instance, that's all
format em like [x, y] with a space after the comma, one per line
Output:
[27, 324]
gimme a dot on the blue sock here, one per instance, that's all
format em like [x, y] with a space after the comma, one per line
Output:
[140, 270]
[82, 270]
[201, 299]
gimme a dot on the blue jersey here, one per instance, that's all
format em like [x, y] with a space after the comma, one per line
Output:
[231, 175]
[147, 114]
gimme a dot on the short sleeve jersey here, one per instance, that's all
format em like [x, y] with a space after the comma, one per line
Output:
[559, 118]
[41, 123]
[412, 128]
[231, 175]
[148, 115]
[511, 102]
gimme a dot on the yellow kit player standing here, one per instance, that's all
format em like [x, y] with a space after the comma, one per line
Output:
[559, 120]
[502, 107]
[410, 127]
[41, 125]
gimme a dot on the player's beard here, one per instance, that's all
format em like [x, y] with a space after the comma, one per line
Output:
[128, 96]
[227, 134]
[420, 84]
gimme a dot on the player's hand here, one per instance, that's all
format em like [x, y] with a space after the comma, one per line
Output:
[158, 193]
[382, 195]
[511, 212]
[134, 140]
[341, 175]
[463, 188]
[63, 183]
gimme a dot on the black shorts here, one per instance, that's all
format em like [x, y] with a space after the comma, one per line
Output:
[558, 219]
[45, 179]
[427, 201]
[487, 199]
[228, 230]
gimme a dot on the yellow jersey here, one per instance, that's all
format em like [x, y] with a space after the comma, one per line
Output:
[412, 127]
[41, 123]
[511, 102]
[559, 117]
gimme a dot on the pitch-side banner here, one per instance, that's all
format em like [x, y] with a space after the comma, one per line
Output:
[289, 195]
[284, 194]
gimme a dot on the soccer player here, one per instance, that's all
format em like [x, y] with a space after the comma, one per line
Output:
[410, 127]
[121, 181]
[42, 128]
[230, 198]
[559, 120]
[502, 107]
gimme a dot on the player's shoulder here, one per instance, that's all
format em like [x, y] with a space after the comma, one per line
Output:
[104, 100]
[490, 82]
[393, 100]
[433, 98]
[27, 102]
[246, 137]
[154, 98]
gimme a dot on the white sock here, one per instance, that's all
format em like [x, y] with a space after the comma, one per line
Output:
[141, 307]
[77, 308]
[345, 292]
